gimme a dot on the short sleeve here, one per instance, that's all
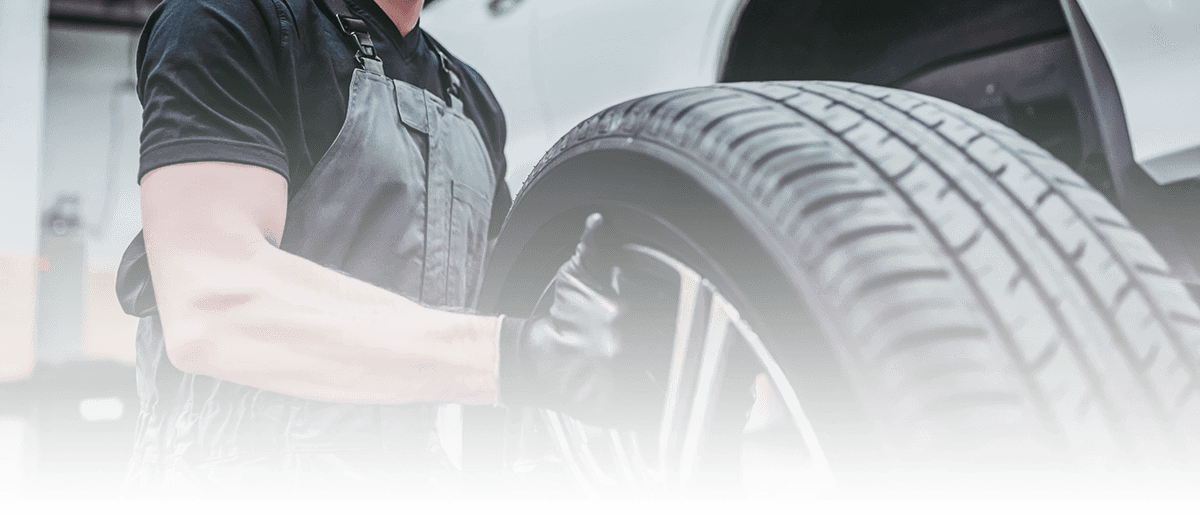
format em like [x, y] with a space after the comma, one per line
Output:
[208, 81]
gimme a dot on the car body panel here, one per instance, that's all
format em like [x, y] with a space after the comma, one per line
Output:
[619, 50]
[1153, 49]
[553, 63]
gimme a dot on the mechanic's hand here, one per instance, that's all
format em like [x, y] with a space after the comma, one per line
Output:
[572, 359]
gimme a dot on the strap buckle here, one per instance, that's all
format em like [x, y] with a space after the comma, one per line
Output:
[357, 29]
[453, 84]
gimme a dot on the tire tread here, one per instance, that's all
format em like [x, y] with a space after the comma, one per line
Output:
[956, 252]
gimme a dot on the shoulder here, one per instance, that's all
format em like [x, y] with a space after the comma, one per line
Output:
[213, 79]
[210, 26]
[237, 12]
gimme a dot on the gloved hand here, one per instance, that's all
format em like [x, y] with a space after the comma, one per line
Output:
[572, 359]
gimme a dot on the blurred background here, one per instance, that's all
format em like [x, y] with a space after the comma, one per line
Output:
[69, 125]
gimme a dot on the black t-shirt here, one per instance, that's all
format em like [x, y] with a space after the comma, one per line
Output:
[266, 83]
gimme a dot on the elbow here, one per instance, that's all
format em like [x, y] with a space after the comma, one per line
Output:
[194, 329]
[204, 305]
[189, 341]
[190, 336]
[191, 355]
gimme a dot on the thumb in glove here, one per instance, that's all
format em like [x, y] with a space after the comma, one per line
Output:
[569, 360]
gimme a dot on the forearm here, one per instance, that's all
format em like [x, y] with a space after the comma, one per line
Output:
[279, 322]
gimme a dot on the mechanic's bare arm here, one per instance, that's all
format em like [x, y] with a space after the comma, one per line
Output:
[236, 307]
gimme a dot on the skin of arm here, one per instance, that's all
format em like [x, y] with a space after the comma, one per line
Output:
[236, 307]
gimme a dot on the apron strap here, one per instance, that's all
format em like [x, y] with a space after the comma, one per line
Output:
[451, 80]
[453, 84]
[356, 28]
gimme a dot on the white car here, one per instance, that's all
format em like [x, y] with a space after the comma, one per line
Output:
[904, 283]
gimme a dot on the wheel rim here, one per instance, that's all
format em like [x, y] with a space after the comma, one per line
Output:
[708, 333]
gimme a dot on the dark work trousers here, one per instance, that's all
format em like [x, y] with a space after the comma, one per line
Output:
[402, 200]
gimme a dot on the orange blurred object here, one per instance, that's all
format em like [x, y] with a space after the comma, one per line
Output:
[108, 331]
[18, 275]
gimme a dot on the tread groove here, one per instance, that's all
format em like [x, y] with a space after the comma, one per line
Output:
[894, 278]
[1043, 359]
[907, 170]
[929, 336]
[815, 168]
[1065, 290]
[831, 200]
[906, 309]
[668, 99]
[1125, 290]
[1184, 318]
[1120, 333]
[1100, 220]
[1151, 356]
[858, 234]
[1077, 254]
[1182, 398]
[1055, 435]
[910, 110]
[1041, 199]
[751, 134]
[1016, 280]
[758, 163]
[1149, 270]
[1089, 371]
[970, 242]
[701, 103]
[851, 128]
[725, 117]
[662, 101]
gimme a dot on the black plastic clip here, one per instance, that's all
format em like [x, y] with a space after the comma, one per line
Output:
[357, 29]
[453, 84]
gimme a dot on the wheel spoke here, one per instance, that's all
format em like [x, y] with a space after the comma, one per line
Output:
[708, 383]
[636, 458]
[624, 457]
[587, 457]
[688, 340]
[819, 474]
[566, 447]
[708, 333]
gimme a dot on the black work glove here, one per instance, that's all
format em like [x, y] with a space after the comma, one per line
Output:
[572, 360]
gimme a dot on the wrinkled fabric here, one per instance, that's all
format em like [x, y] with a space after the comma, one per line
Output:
[402, 200]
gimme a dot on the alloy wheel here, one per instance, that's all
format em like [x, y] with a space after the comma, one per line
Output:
[730, 417]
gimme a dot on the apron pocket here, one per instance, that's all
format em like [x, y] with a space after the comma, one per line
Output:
[469, 215]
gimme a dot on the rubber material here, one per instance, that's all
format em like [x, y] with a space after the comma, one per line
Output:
[572, 359]
[978, 296]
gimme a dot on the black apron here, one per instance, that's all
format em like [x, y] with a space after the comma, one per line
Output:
[402, 199]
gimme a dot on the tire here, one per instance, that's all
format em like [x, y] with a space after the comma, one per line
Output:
[939, 291]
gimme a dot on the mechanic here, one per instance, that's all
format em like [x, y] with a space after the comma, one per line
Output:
[319, 181]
